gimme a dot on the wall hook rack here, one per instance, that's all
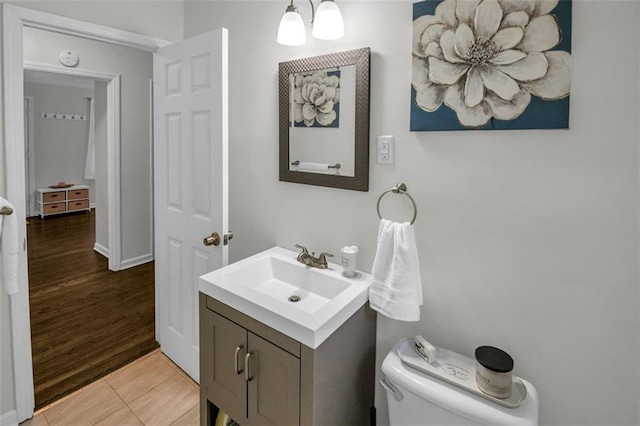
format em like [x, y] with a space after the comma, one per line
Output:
[62, 116]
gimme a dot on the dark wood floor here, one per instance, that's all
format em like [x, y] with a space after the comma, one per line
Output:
[86, 321]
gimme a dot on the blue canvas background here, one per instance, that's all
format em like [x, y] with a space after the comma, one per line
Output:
[539, 114]
[336, 108]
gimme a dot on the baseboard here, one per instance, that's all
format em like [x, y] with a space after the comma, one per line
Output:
[9, 419]
[136, 261]
[101, 249]
[125, 264]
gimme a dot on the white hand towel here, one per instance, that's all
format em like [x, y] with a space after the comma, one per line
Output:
[9, 249]
[396, 288]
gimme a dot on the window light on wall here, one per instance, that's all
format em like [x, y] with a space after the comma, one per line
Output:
[326, 24]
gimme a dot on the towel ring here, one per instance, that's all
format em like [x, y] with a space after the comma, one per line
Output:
[400, 188]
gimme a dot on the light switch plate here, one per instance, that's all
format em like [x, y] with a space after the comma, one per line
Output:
[386, 149]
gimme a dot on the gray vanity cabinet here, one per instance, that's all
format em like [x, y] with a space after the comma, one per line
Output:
[259, 376]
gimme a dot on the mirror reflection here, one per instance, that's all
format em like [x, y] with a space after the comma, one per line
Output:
[322, 116]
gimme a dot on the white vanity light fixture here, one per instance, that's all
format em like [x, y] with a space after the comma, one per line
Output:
[291, 31]
[326, 23]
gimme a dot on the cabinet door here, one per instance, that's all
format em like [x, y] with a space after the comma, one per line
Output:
[274, 384]
[224, 347]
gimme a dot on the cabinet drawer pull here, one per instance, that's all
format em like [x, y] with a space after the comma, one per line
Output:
[247, 377]
[236, 362]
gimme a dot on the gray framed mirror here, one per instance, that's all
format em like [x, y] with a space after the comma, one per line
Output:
[324, 120]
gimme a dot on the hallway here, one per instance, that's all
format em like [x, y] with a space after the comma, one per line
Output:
[86, 321]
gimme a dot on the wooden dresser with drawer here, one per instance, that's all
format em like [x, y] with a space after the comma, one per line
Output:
[53, 201]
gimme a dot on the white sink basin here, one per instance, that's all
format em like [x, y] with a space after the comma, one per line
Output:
[281, 279]
[305, 303]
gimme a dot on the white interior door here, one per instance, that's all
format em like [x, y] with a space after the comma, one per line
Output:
[190, 184]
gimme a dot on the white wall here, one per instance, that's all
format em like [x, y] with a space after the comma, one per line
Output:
[60, 146]
[528, 240]
[161, 19]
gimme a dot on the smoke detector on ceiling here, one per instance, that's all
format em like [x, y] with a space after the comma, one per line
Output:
[68, 58]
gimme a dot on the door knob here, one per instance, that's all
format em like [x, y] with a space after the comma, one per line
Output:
[212, 240]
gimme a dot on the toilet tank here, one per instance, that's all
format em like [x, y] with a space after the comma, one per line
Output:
[416, 398]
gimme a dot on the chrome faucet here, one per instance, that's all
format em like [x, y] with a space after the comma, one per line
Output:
[310, 260]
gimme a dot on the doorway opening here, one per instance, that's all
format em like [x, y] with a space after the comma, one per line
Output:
[15, 19]
[86, 321]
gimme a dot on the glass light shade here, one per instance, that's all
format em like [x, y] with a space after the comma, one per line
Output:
[291, 31]
[328, 24]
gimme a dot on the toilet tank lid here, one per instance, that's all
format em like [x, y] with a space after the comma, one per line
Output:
[457, 400]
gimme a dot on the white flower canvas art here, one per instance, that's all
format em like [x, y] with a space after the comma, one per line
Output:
[316, 99]
[491, 64]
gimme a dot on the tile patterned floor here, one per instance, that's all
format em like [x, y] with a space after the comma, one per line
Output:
[149, 391]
